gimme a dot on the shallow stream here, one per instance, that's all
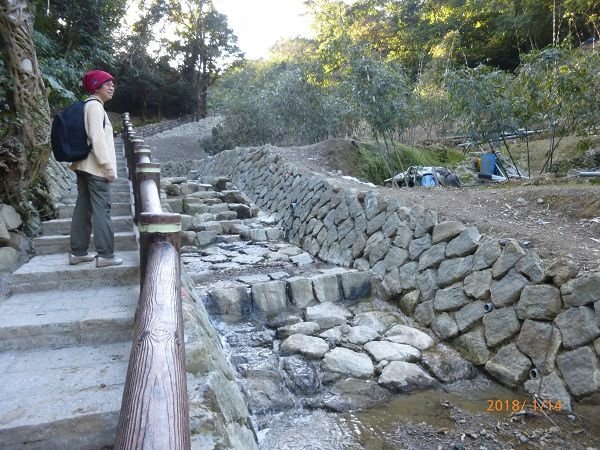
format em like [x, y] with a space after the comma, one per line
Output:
[476, 413]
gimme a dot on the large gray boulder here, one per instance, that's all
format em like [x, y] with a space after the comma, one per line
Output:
[352, 394]
[477, 284]
[582, 290]
[580, 371]
[306, 328]
[500, 325]
[507, 290]
[269, 297]
[469, 315]
[326, 288]
[511, 253]
[9, 259]
[487, 254]
[465, 244]
[550, 387]
[539, 302]
[445, 326]
[401, 376]
[403, 334]
[446, 231]
[578, 326]
[308, 346]
[473, 347]
[380, 321]
[390, 351]
[450, 298]
[359, 335]
[232, 301]
[541, 342]
[446, 364]
[10, 217]
[300, 290]
[562, 270]
[356, 285]
[327, 315]
[509, 366]
[348, 362]
[531, 266]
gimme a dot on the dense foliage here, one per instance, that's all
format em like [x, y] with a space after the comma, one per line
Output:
[392, 72]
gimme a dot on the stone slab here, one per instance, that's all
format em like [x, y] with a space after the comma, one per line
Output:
[46, 272]
[65, 318]
[124, 240]
[117, 209]
[63, 226]
[64, 398]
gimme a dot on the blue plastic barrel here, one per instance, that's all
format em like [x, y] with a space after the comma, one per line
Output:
[427, 180]
[488, 164]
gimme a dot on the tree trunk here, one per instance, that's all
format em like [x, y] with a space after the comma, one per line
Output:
[27, 147]
[201, 95]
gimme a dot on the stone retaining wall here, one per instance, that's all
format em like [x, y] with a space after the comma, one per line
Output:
[15, 246]
[529, 326]
[219, 416]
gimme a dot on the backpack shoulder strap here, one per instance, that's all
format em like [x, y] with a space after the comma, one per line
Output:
[96, 100]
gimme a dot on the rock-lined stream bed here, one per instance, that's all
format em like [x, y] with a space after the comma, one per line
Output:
[324, 363]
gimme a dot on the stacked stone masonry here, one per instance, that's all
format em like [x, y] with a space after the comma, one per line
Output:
[527, 325]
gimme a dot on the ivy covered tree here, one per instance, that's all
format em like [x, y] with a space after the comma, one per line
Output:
[25, 130]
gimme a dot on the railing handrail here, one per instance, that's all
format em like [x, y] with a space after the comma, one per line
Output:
[155, 408]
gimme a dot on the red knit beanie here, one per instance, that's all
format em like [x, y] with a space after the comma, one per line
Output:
[93, 79]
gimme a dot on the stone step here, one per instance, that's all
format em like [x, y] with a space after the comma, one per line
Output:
[63, 226]
[46, 272]
[67, 318]
[44, 245]
[66, 398]
[122, 196]
[118, 209]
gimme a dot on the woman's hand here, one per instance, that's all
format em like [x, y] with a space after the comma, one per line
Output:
[110, 174]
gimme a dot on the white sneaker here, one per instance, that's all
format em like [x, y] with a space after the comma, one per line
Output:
[73, 259]
[106, 262]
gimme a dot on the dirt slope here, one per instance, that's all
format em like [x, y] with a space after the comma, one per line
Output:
[557, 219]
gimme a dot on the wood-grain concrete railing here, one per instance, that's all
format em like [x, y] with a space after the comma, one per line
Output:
[155, 410]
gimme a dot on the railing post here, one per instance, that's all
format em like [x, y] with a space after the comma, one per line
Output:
[144, 171]
[133, 140]
[142, 153]
[157, 227]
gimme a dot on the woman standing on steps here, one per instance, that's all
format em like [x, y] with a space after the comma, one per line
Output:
[94, 175]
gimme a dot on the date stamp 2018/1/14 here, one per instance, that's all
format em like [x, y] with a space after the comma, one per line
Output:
[513, 406]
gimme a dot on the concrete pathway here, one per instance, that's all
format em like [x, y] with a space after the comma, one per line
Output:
[65, 337]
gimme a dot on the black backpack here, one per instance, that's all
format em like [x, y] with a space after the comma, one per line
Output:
[68, 137]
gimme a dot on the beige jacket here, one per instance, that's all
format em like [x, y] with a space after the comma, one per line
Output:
[103, 156]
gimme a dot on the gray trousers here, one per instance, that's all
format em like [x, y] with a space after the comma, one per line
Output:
[92, 211]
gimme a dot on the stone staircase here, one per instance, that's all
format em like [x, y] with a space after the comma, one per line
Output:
[65, 338]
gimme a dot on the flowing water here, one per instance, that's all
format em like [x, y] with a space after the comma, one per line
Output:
[476, 413]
